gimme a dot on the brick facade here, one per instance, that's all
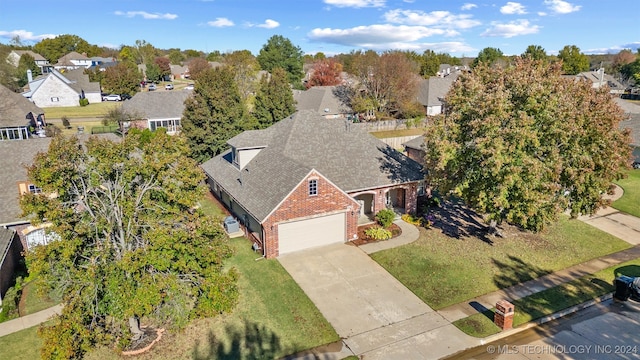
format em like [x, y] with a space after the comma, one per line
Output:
[415, 154]
[299, 205]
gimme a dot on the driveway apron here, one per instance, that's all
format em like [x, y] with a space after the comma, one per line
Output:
[370, 309]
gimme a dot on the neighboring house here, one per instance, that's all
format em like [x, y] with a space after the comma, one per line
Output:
[415, 149]
[307, 181]
[19, 118]
[432, 91]
[632, 123]
[41, 62]
[445, 69]
[599, 79]
[57, 89]
[323, 101]
[72, 61]
[179, 72]
[10, 255]
[156, 109]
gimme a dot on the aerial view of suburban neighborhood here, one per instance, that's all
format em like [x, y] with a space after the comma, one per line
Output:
[320, 180]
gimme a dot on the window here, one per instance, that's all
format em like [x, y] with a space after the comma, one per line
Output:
[55, 99]
[34, 189]
[313, 187]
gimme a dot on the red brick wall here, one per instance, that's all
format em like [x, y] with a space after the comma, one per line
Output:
[299, 204]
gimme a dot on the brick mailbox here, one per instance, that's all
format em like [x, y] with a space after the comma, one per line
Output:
[503, 317]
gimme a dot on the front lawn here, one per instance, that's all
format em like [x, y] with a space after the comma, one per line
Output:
[97, 110]
[444, 270]
[21, 345]
[630, 201]
[551, 300]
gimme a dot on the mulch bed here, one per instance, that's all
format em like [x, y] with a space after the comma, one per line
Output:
[364, 239]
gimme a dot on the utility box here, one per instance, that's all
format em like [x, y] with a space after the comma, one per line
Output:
[231, 225]
[503, 317]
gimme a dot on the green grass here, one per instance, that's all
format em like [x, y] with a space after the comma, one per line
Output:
[443, 271]
[72, 112]
[630, 201]
[33, 301]
[24, 344]
[551, 300]
[397, 133]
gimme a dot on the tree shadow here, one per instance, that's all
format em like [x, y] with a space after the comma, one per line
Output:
[456, 220]
[249, 341]
[397, 167]
[515, 271]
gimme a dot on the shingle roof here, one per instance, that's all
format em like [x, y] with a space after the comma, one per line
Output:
[66, 59]
[14, 108]
[14, 157]
[157, 104]
[34, 55]
[415, 143]
[320, 99]
[349, 157]
[6, 235]
[433, 89]
[79, 81]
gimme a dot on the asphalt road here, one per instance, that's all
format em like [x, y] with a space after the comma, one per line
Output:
[609, 330]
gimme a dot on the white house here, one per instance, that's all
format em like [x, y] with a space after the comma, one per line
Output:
[56, 89]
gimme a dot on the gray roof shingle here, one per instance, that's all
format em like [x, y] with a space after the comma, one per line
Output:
[157, 104]
[349, 157]
[416, 143]
[432, 90]
[14, 108]
[320, 99]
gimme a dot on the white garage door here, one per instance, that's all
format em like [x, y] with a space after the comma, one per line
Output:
[304, 234]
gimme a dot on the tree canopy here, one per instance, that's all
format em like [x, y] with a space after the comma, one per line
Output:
[55, 48]
[27, 62]
[326, 72]
[573, 61]
[523, 144]
[488, 55]
[535, 52]
[130, 243]
[280, 52]
[274, 100]
[214, 114]
[124, 78]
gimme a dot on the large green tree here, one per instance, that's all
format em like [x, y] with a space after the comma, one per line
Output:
[535, 52]
[488, 55]
[124, 78]
[53, 49]
[130, 243]
[245, 68]
[523, 144]
[7, 70]
[274, 100]
[573, 61]
[214, 114]
[27, 62]
[279, 52]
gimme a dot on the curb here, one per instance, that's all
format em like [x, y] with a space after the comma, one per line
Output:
[546, 319]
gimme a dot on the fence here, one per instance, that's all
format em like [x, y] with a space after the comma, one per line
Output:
[385, 125]
[396, 142]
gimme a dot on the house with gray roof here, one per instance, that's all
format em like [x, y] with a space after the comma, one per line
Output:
[415, 149]
[14, 59]
[156, 109]
[19, 117]
[599, 79]
[323, 100]
[431, 92]
[308, 181]
[56, 89]
[74, 60]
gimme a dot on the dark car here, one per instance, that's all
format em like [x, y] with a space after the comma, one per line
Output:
[636, 165]
[125, 96]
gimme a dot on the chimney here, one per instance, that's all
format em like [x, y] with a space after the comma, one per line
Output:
[29, 75]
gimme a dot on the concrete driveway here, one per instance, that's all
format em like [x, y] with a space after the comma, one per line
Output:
[371, 310]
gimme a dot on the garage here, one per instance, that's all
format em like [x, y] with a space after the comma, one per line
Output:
[308, 233]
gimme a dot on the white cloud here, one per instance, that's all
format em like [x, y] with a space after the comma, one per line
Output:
[468, 6]
[442, 19]
[513, 8]
[146, 15]
[221, 22]
[511, 29]
[356, 3]
[614, 49]
[561, 7]
[374, 36]
[542, 13]
[25, 35]
[269, 24]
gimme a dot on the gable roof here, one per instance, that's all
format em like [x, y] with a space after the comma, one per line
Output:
[34, 55]
[76, 79]
[66, 59]
[320, 99]
[431, 91]
[15, 107]
[15, 156]
[157, 104]
[347, 156]
[415, 143]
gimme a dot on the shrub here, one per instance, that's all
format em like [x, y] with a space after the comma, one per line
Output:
[378, 233]
[65, 122]
[411, 219]
[11, 300]
[84, 102]
[52, 130]
[385, 217]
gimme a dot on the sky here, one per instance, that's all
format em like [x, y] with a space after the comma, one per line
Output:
[459, 28]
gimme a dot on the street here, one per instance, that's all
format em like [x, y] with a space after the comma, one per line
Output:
[604, 331]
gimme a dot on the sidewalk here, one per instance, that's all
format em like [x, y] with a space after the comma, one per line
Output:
[24, 322]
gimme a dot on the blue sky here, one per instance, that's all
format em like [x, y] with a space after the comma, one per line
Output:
[460, 28]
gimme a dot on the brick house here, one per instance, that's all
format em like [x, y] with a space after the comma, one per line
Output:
[308, 181]
[156, 109]
[415, 150]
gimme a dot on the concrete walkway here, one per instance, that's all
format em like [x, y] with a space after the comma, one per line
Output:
[27, 321]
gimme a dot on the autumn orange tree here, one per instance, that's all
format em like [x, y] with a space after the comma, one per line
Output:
[326, 72]
[522, 144]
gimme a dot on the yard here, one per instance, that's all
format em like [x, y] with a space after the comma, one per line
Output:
[444, 268]
[74, 112]
[630, 202]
